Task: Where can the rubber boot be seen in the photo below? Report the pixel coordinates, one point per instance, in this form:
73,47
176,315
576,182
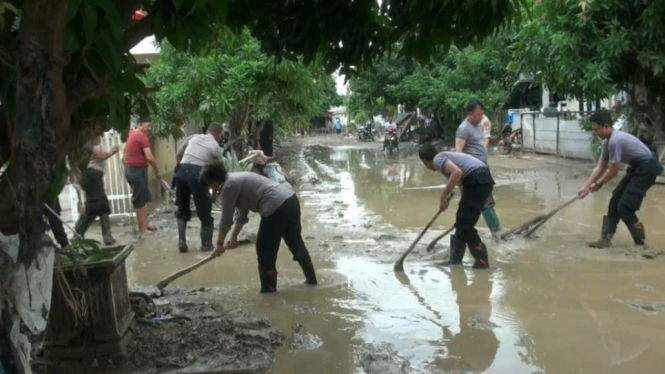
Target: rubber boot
491,219
308,270
81,227
206,238
182,236
106,230
268,280
457,249
638,234
606,234
481,256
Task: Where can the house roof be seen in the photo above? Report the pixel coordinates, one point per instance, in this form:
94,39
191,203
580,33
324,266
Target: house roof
147,51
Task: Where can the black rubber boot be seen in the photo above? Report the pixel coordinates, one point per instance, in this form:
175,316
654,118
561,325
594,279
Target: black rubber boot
106,230
268,280
457,249
81,227
638,234
182,236
206,238
606,234
481,256
308,269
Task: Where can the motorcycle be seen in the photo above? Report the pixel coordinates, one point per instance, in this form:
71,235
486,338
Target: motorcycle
391,141
365,133
510,139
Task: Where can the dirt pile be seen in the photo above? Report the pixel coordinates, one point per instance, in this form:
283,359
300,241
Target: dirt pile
188,336
382,358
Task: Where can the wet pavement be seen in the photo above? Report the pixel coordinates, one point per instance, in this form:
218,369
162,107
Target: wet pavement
549,304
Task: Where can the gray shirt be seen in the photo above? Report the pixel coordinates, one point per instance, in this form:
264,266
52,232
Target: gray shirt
245,191
96,163
200,149
475,139
623,147
466,163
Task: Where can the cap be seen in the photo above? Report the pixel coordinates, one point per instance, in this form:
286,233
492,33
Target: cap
143,119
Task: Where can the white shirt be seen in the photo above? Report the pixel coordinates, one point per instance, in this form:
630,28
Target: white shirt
389,125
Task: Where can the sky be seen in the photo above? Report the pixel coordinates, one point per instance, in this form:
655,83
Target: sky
341,88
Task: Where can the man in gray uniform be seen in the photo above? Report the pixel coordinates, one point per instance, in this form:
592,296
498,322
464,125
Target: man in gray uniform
196,152
470,139
474,179
621,147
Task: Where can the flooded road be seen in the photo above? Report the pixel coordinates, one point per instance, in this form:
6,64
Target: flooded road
548,305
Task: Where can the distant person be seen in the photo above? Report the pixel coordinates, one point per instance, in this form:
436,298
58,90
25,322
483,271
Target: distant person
390,124
279,209
137,157
196,152
338,127
476,184
96,201
487,131
621,147
428,120
471,139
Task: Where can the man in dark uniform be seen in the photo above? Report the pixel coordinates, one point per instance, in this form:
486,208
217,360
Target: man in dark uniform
476,183
196,152
621,147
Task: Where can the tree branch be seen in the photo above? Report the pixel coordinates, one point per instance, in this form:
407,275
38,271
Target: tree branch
87,89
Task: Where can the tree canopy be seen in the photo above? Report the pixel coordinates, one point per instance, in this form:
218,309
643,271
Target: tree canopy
67,74
443,85
235,81
593,49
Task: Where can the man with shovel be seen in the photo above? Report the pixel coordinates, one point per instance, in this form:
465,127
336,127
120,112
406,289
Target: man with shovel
621,147
196,152
475,182
471,139
279,209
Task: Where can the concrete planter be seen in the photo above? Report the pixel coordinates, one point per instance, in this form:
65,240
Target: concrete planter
102,328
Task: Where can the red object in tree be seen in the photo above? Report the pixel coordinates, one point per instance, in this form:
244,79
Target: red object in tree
139,15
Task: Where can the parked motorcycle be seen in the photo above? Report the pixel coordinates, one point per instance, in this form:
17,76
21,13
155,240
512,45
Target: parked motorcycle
366,133
510,140
391,140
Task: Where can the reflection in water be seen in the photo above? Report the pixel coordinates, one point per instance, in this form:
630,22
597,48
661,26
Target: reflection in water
475,345
554,305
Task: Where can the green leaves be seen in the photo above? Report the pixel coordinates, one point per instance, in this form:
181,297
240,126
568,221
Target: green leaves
231,75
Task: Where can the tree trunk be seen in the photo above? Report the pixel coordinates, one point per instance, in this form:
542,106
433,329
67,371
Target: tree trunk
41,113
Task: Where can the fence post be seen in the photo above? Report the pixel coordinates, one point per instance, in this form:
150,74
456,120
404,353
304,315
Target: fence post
558,119
533,127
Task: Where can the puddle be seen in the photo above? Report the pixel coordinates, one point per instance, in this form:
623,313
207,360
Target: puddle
549,304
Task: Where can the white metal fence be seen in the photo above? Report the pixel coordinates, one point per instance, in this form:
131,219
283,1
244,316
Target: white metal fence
559,134
117,189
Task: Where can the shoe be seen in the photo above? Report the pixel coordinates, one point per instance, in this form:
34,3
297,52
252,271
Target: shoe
206,238
481,256
268,280
182,236
606,234
106,230
457,249
308,270
638,234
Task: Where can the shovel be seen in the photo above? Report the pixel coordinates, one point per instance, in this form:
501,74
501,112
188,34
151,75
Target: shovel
399,265
165,282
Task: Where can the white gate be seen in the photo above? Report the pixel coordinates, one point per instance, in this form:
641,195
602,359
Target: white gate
117,189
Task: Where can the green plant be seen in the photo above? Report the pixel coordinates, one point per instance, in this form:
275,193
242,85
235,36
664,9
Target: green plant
86,251
232,162
595,144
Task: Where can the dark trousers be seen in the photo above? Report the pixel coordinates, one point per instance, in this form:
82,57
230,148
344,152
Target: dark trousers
283,223
96,201
55,223
628,195
187,184
477,186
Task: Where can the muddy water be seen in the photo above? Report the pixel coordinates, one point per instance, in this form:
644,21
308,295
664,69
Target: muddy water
548,305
